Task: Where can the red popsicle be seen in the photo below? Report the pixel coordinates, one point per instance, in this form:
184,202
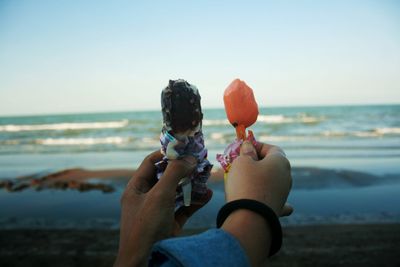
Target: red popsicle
240,106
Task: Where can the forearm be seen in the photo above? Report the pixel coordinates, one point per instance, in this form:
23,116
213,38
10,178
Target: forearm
132,258
120,262
134,247
253,233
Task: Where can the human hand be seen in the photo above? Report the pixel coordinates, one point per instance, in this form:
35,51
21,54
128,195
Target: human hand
147,208
261,173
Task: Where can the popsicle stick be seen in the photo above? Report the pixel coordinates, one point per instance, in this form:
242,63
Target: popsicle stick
186,190
241,132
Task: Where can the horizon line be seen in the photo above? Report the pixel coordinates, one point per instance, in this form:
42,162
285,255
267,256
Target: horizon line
204,108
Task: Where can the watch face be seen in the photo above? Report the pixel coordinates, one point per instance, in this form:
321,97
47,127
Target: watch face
181,108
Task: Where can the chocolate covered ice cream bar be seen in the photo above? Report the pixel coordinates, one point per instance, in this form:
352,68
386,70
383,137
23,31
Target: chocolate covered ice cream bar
182,135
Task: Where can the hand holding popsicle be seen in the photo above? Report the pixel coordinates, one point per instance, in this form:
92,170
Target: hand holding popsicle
242,112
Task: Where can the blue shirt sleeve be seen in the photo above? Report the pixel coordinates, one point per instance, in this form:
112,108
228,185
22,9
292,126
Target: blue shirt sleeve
214,247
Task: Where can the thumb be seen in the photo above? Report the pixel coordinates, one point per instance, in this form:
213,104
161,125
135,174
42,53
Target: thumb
248,149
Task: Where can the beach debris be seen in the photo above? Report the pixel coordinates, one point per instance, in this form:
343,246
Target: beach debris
7,184
73,179
182,135
242,112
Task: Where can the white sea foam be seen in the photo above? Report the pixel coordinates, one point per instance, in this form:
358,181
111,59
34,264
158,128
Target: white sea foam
365,134
217,136
215,122
371,133
278,119
280,138
261,118
378,132
63,126
147,143
274,119
308,119
387,130
270,119
349,133
333,133
81,141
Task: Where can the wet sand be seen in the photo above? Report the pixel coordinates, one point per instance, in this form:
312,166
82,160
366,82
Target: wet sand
328,245
106,180
79,179
319,245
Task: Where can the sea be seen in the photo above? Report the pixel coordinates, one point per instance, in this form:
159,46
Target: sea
345,159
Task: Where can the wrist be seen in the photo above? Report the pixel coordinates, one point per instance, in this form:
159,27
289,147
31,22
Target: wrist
133,257
252,232
249,222
130,262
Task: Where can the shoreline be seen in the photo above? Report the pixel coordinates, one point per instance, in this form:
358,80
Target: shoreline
303,177
318,245
319,196
78,178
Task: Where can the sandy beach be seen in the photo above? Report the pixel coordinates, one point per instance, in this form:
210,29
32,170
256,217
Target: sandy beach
327,245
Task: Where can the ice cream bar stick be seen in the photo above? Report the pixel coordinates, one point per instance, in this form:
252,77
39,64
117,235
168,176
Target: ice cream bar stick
187,191
241,132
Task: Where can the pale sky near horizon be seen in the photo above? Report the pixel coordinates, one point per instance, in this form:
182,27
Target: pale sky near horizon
87,56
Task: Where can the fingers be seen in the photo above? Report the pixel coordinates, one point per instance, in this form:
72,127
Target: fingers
260,151
175,171
184,213
248,149
266,149
286,210
145,176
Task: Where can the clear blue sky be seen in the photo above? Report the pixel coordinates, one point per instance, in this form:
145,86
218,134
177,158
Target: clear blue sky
74,56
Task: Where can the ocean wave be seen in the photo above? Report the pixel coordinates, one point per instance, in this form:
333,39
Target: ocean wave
326,135
217,136
271,119
215,122
311,137
116,140
351,133
279,138
128,142
274,119
336,133
63,126
388,130
278,119
146,143
377,132
10,142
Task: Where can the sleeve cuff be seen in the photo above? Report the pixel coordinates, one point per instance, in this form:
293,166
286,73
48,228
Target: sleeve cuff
214,247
